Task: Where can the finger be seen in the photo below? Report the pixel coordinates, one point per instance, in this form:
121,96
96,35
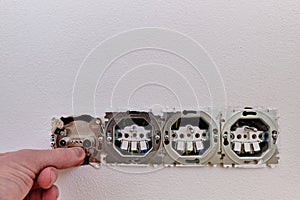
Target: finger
46,178
58,158
35,195
51,194
40,194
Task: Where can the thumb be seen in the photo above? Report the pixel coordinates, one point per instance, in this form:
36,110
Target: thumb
59,158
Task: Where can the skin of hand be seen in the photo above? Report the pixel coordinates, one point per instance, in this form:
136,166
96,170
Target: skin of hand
30,174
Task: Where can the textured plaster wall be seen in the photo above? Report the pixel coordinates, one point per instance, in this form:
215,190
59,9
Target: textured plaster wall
255,44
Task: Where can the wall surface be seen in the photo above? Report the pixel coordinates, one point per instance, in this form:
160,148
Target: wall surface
254,44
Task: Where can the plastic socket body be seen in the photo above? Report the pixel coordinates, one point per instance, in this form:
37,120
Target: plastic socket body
250,137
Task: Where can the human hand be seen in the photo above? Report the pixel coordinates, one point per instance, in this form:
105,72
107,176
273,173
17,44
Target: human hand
30,174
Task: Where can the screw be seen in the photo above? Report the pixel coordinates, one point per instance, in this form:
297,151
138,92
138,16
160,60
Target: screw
215,131
157,137
225,136
100,139
274,135
98,121
191,129
109,138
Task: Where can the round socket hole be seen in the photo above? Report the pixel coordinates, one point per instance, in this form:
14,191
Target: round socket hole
225,138
62,143
204,135
245,136
225,142
126,135
181,135
239,136
87,143
254,136
231,136
134,134
174,135
197,135
142,135
120,135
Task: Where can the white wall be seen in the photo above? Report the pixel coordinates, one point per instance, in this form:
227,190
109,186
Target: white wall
255,44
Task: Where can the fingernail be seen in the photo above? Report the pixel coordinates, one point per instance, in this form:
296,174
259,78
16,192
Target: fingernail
79,152
52,176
